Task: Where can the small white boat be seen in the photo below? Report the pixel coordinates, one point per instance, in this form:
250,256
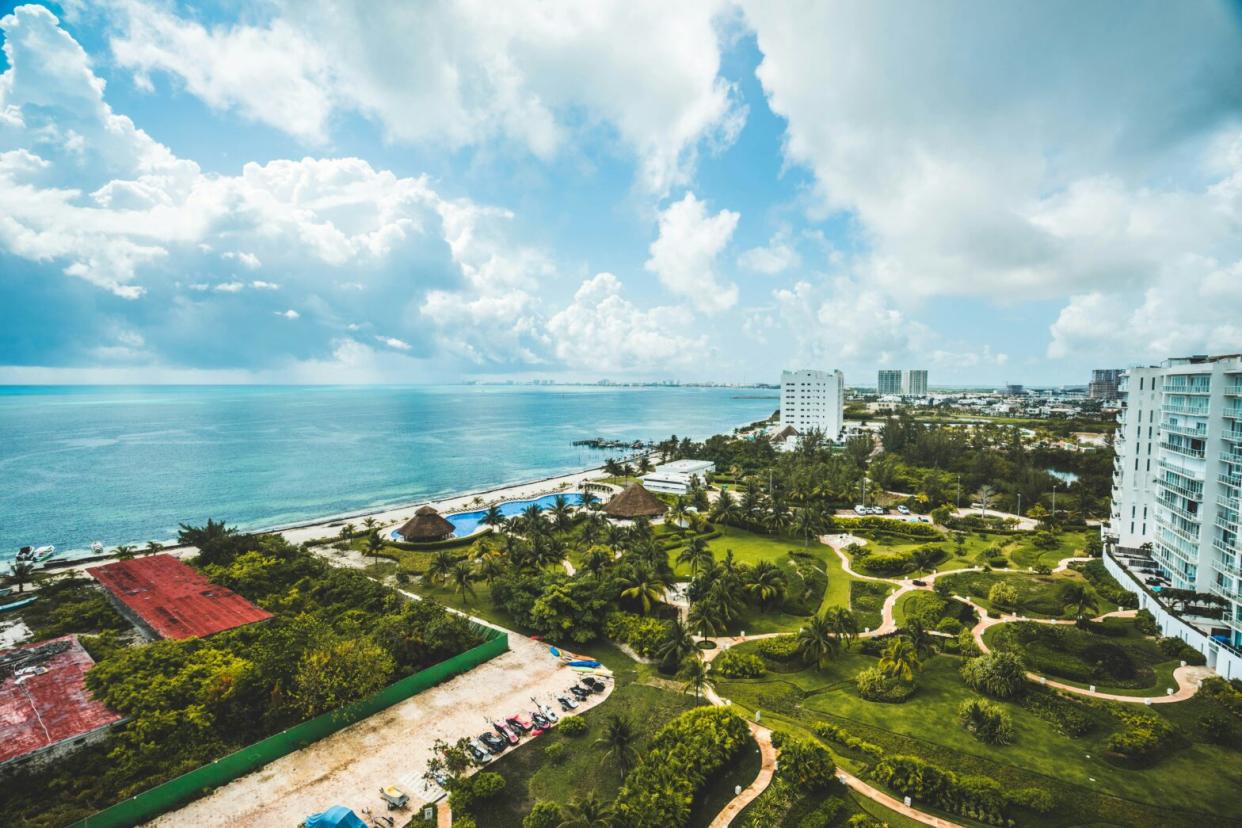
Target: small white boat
97,548
31,555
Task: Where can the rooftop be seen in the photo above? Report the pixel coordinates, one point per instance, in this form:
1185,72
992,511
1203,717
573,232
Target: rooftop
172,599
41,709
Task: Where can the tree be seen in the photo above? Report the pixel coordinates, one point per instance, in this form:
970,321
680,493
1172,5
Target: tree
369,525
597,560
984,496
463,579
588,812
900,659
765,583
919,637
124,552
807,765
347,531
816,643
22,574
695,673
1078,599
677,644
562,513
697,556
999,674
338,673
441,566
619,742
493,517
843,623
206,535
807,522
374,545
707,617
986,721
1003,596
645,589
153,547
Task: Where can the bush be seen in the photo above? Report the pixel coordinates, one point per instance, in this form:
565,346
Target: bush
1141,739
977,797
966,644
824,815
555,753
987,722
889,563
468,791
683,755
573,726
888,526
998,674
545,814
1174,647
1003,596
839,735
1066,713
952,626
732,664
644,633
782,648
1036,799
806,765
876,685
1106,586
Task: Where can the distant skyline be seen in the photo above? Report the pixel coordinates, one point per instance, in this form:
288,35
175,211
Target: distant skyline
350,192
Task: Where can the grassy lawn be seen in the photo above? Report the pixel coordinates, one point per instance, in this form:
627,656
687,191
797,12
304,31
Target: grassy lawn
1038,595
1187,787
867,601
1017,551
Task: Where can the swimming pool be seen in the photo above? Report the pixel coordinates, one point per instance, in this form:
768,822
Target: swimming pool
468,522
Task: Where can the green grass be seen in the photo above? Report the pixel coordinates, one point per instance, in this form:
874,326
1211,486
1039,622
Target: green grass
1017,550
719,791
1038,595
867,601
1189,787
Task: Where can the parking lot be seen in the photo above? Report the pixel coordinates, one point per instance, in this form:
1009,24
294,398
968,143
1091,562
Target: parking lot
390,748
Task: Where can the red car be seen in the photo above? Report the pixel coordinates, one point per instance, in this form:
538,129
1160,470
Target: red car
506,731
519,724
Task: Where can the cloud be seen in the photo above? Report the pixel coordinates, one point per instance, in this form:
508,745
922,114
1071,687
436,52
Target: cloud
393,342
248,260
230,287
684,254
602,331
774,258
259,284
288,314
460,74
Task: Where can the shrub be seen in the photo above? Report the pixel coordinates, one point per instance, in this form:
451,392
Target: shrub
1106,585
470,790
545,814
1044,540
1036,799
806,765
733,664
782,648
998,674
1174,647
573,726
1003,596
833,733
555,753
683,755
889,563
1145,623
1141,739
978,797
645,634
986,721
824,815
966,644
1066,713
876,685
949,625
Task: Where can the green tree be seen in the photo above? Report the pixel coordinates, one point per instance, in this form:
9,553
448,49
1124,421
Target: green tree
619,742
900,659
153,547
493,517
441,566
765,583
697,556
843,623
23,573
646,589
677,644
463,580
588,812
695,672
123,552
1078,599
339,673
374,545
816,642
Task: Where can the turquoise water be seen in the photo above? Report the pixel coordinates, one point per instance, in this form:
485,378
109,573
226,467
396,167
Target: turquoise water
467,522
125,465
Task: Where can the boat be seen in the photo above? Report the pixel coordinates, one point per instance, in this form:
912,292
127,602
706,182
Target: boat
33,555
97,548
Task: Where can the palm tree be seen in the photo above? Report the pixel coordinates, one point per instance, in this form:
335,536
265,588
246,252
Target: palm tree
597,559
707,617
1078,599
843,623
765,583
369,524
919,637
532,520
202,536
347,531
779,516
676,515
646,589
153,547
695,673
562,514
463,577
725,509
124,552
588,499
591,526
374,545
493,517
697,556
491,567
616,536
619,742
678,643
984,496
816,643
806,522
441,566
588,812
900,659
23,573
644,464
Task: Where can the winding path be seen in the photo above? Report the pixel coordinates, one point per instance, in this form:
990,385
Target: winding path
767,769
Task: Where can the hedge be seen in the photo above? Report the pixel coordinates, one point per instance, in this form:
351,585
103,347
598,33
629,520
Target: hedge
644,633
733,664
889,526
684,754
977,797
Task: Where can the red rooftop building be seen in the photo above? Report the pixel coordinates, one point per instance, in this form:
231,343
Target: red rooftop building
45,708
165,598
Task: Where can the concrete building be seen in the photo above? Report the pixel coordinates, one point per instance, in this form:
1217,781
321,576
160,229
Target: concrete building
1177,480
813,400
888,382
914,383
1104,383
676,477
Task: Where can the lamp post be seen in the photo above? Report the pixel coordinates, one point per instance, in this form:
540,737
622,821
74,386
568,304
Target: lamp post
959,491
1054,500
1019,504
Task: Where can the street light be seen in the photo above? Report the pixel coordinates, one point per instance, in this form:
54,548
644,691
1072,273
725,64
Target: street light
959,491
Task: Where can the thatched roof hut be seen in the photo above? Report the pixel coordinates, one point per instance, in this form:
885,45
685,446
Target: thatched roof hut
634,502
785,433
426,525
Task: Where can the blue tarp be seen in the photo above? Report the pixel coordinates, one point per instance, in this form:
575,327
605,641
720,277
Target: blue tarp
338,816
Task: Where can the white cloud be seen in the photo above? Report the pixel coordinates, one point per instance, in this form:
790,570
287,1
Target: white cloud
230,287
684,254
289,314
248,260
259,284
602,331
461,74
777,256
393,342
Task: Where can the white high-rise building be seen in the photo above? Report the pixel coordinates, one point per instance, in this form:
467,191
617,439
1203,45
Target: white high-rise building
914,383
888,382
1177,479
813,400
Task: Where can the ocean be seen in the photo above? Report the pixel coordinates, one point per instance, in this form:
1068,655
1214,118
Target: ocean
128,464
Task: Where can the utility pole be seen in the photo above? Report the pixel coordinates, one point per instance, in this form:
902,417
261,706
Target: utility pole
959,491
1054,500
1019,504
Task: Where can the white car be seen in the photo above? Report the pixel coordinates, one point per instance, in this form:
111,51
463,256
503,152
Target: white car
878,510
861,510
905,510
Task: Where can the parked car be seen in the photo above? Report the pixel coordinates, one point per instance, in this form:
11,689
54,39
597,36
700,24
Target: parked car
539,720
905,510
547,712
519,724
579,693
478,752
861,510
493,743
879,510
507,732
567,704
919,583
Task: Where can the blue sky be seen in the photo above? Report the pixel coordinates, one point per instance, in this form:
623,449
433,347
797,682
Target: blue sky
371,192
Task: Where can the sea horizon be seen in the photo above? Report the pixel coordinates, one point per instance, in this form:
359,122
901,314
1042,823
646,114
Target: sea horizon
124,464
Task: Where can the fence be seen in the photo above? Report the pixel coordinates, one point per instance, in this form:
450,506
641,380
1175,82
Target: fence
200,781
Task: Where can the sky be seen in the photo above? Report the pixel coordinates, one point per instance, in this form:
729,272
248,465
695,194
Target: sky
350,191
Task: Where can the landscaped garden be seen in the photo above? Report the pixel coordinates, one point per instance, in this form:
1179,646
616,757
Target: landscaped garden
1063,595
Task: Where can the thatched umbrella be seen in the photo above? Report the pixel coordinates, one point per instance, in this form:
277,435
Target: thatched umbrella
785,433
635,502
426,525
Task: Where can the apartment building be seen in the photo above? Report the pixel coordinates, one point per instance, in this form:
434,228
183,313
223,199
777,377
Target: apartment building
813,400
1177,480
888,382
914,383
1105,383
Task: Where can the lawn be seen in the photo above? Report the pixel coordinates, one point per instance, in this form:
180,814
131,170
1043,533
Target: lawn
1040,596
1188,787
1016,551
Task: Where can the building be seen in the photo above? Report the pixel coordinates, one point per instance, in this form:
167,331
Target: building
1177,480
813,401
427,525
165,598
888,382
1015,390
914,383
1104,383
45,708
677,476
634,502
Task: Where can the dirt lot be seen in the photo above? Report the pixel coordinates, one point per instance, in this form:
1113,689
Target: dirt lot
392,746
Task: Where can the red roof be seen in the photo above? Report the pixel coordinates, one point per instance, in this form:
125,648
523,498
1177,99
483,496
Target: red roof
173,599
45,708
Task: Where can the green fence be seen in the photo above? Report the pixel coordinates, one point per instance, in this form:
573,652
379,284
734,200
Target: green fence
200,781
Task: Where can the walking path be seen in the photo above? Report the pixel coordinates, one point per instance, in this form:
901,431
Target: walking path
892,803
767,769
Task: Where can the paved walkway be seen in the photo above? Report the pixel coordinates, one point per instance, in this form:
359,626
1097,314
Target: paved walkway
767,769
892,803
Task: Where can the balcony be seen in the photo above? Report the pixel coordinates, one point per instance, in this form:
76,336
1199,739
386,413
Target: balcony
1190,474
1184,409
1229,480
1233,387
1200,384
1173,507
1192,492
1185,451
1233,409
1191,537
1197,430
1232,570
1224,547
